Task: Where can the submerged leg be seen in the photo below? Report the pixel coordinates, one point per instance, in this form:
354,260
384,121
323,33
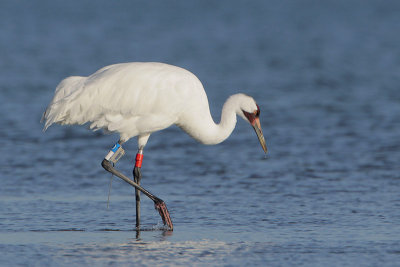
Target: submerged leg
137,176
159,204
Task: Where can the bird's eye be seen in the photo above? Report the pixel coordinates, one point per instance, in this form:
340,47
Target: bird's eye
257,112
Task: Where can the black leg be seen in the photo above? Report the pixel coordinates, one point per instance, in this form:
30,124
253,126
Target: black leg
112,157
137,175
159,204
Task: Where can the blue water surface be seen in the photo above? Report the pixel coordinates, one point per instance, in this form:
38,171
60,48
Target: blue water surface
326,76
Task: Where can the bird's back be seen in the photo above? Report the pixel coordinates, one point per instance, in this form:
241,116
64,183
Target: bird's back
129,98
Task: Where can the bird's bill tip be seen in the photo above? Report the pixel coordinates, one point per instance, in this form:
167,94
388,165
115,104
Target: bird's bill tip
258,130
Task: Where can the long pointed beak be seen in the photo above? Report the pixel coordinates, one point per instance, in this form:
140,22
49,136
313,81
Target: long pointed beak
257,127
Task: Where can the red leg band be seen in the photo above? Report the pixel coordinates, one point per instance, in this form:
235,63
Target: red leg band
139,159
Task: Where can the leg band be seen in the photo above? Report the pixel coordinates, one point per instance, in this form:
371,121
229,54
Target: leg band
139,159
115,153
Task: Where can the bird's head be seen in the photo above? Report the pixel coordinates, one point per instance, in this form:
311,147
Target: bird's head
250,112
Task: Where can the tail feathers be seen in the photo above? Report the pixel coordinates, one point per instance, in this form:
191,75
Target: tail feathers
64,95
44,120
49,117
53,114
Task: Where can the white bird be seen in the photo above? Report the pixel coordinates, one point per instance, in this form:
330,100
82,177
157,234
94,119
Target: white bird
137,99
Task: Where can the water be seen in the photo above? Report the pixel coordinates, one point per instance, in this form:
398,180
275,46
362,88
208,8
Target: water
326,77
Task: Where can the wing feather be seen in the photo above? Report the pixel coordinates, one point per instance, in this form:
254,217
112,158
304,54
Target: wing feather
128,98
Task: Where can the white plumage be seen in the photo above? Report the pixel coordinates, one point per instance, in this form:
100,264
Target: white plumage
136,99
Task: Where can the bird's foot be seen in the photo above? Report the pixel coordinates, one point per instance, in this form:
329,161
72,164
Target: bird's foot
158,203
163,211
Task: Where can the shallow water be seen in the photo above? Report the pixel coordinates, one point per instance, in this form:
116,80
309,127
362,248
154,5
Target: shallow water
326,77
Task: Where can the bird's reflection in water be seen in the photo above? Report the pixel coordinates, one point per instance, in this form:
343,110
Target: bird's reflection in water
160,235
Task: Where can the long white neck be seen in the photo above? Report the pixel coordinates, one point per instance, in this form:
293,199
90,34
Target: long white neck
206,131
